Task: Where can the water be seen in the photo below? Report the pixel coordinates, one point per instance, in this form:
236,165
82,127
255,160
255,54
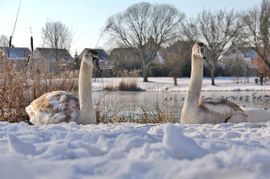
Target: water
133,105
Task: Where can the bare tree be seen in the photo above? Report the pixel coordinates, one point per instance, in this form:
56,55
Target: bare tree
145,28
56,35
3,41
178,57
217,29
256,33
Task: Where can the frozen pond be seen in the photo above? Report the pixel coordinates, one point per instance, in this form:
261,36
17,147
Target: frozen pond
130,104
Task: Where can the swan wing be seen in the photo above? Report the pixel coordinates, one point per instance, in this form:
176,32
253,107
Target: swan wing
54,107
220,102
219,109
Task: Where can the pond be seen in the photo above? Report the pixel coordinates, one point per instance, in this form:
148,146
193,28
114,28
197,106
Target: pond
133,105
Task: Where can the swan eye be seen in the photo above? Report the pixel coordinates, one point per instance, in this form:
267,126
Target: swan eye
202,50
95,60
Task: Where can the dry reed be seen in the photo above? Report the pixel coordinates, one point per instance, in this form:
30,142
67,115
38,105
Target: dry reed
125,84
19,87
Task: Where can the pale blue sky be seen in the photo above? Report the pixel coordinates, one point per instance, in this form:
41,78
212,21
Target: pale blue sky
87,18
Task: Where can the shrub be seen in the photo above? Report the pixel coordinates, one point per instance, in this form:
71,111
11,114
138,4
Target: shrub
130,84
125,84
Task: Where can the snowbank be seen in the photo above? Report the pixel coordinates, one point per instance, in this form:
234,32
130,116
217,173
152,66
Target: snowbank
135,151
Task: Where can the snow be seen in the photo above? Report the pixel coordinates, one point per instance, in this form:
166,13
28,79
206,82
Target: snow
184,148
166,84
18,146
127,150
257,114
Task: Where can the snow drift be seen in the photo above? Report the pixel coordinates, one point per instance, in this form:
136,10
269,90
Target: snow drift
135,151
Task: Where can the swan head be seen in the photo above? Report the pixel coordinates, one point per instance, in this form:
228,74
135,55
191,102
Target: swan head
91,58
198,50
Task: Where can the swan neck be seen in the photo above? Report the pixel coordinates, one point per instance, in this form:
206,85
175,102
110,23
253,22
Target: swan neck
195,84
87,113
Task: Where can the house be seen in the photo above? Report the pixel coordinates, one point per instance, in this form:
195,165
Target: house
54,60
104,60
17,55
234,53
239,61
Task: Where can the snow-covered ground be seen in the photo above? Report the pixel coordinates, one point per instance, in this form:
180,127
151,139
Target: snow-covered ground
126,150
135,151
166,84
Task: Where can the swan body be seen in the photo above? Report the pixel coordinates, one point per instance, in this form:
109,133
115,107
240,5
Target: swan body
61,106
206,110
54,107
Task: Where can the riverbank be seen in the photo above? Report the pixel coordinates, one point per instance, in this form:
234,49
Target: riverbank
166,84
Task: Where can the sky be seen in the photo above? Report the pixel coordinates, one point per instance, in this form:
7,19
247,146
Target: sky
87,18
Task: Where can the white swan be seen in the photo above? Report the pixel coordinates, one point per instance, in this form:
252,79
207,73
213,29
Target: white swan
206,110
61,106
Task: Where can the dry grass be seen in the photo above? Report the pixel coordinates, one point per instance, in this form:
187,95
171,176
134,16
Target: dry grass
144,117
110,111
162,111
125,84
19,88
129,85
109,87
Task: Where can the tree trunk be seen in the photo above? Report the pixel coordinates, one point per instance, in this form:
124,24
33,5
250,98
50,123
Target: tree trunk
174,78
145,75
213,70
175,81
145,72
